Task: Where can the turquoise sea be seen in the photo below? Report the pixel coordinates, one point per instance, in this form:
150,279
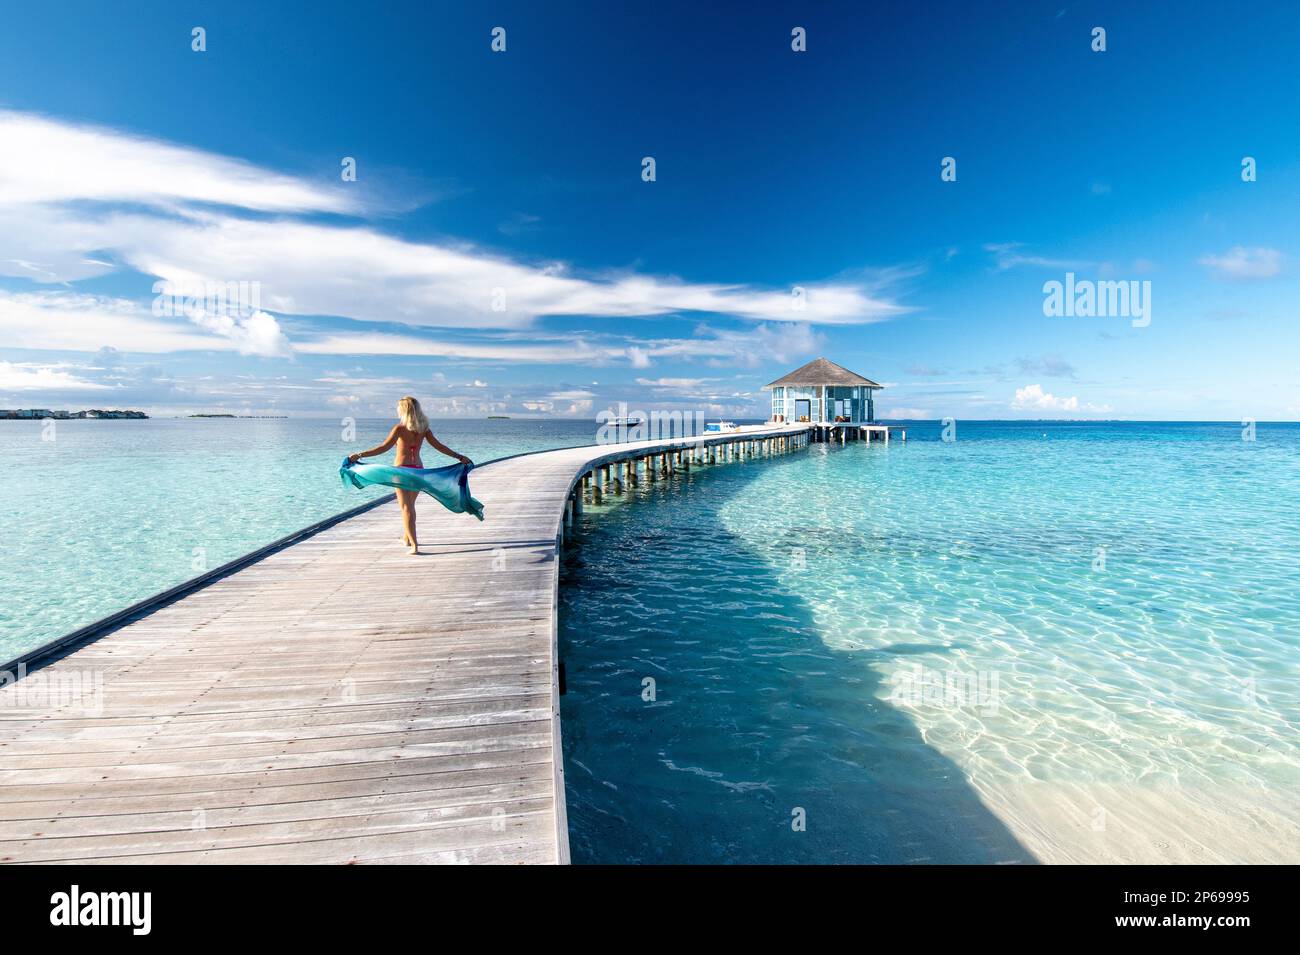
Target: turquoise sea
99,514
1039,642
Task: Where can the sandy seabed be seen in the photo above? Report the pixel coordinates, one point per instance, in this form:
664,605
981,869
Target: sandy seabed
1162,824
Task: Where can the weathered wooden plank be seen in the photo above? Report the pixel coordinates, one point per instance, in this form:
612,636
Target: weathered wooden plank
92,804
335,700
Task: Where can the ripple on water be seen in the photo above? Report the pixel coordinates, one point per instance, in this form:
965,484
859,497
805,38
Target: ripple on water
1111,611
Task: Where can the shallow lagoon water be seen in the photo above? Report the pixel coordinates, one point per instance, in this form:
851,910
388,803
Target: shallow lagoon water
1040,642
911,654
110,512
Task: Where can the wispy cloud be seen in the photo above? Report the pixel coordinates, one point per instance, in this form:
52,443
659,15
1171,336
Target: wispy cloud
71,207
746,348
518,223
1053,366
1243,264
24,377
380,343
69,321
54,161
701,388
1008,255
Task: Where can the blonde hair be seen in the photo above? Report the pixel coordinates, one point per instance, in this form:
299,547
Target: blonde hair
411,415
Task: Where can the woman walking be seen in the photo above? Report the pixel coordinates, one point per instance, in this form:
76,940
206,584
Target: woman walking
410,432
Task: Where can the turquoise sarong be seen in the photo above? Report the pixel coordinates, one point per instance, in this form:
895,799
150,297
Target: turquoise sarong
449,486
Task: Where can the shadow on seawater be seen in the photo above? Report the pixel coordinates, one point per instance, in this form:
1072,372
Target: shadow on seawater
753,718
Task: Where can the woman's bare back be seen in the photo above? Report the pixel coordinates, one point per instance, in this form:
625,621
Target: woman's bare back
406,442
408,448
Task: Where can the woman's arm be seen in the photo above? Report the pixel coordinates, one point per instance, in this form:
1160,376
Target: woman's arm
439,446
379,449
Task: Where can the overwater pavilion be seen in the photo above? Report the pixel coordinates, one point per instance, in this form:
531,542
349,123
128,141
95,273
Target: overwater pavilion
829,397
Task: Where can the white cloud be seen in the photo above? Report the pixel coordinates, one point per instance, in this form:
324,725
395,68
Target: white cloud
747,348
15,377
67,321
256,334
717,347
48,233
574,395
380,343
1241,263
53,161
356,272
1034,398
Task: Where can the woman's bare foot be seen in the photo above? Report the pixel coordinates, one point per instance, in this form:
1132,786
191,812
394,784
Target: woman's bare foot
415,549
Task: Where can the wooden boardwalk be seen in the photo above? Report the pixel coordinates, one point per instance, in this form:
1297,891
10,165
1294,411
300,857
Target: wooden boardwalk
334,701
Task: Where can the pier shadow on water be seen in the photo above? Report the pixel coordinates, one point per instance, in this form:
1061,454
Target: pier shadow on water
705,716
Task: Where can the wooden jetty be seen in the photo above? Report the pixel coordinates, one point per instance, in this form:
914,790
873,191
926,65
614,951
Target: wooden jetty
844,432
331,699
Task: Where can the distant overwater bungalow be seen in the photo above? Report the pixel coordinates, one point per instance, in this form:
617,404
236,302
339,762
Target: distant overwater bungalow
838,403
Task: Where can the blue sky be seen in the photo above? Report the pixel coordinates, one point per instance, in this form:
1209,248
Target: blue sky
516,177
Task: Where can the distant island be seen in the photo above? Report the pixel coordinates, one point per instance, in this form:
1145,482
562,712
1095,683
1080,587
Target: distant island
498,417
42,413
227,415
